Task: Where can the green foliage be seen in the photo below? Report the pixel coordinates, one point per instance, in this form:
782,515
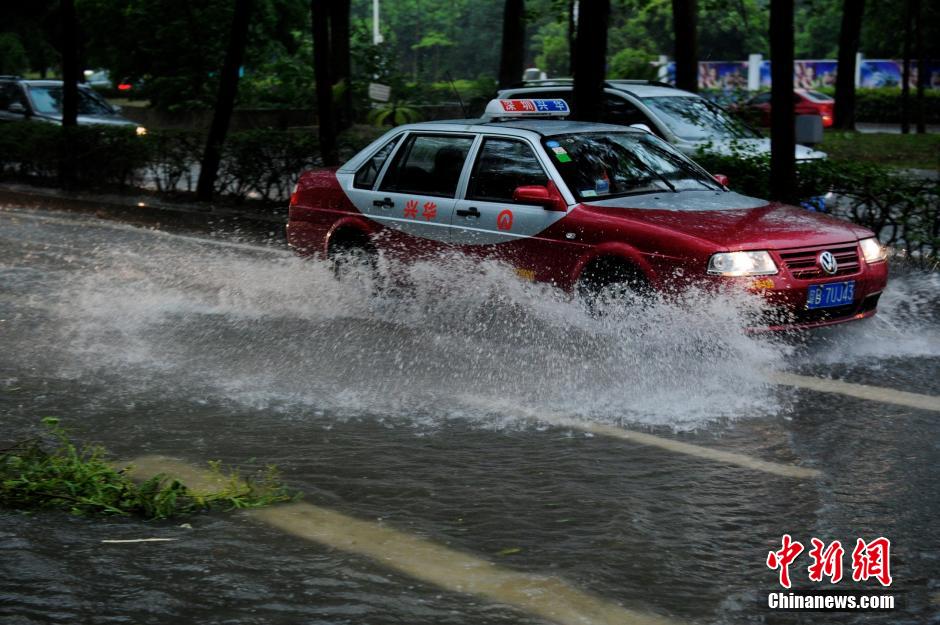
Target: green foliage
551,44
902,209
260,164
264,164
13,59
630,63
103,155
59,475
393,114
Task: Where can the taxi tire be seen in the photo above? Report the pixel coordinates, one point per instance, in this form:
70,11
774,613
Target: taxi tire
353,258
605,281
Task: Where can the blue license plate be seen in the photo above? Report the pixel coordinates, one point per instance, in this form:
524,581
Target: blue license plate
829,295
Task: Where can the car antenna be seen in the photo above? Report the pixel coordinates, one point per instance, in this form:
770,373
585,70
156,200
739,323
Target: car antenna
463,109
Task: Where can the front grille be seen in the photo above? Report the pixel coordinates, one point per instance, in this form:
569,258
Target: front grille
803,265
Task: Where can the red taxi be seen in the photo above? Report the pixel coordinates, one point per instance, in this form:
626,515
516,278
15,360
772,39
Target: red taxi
582,206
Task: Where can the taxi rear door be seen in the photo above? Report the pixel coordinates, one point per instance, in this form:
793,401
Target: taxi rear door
416,194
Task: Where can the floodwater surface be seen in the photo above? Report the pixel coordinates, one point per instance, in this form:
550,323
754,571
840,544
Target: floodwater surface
454,403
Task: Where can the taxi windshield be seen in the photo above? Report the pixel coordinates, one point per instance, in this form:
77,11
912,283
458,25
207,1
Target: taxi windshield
696,119
601,165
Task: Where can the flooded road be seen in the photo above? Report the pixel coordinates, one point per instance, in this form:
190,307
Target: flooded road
488,415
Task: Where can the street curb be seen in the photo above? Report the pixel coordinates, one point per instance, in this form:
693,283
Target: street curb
148,211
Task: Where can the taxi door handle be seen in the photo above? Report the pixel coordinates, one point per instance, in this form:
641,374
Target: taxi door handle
386,203
470,212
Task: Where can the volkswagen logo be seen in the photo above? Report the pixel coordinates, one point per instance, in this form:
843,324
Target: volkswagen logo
828,262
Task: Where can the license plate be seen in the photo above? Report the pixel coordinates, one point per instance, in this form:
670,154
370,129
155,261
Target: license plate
829,295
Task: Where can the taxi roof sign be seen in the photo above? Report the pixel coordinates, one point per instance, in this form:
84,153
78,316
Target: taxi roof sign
527,108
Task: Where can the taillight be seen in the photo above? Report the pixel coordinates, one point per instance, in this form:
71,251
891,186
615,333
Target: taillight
293,194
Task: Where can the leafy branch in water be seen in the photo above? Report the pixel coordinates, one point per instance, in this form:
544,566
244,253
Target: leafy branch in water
63,476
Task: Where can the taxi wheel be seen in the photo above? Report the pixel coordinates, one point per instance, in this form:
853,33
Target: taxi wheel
353,260
610,282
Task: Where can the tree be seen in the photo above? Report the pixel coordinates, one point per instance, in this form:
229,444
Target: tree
910,7
512,55
326,123
225,103
849,36
685,27
70,66
590,59
782,128
340,61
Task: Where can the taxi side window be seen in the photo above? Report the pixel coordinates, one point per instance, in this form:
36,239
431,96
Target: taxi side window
367,174
428,165
502,165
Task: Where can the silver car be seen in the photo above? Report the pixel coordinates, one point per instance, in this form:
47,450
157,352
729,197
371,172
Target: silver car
41,100
686,120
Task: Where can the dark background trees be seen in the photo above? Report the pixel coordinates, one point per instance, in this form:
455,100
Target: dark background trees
685,29
849,35
590,59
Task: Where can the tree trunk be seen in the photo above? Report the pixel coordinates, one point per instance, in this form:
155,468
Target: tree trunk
685,29
849,36
782,126
320,18
340,60
590,59
906,71
225,101
572,31
921,110
512,56
70,64
70,72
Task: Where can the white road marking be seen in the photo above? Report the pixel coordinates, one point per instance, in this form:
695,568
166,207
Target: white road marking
545,596
706,453
139,540
651,440
861,391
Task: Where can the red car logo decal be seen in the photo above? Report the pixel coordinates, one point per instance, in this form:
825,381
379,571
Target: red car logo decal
504,220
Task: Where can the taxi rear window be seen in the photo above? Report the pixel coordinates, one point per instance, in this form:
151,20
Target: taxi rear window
365,177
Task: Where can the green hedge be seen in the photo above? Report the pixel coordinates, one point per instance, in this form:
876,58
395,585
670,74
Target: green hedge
256,164
902,209
883,105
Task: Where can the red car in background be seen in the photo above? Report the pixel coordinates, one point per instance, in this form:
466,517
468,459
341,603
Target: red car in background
805,102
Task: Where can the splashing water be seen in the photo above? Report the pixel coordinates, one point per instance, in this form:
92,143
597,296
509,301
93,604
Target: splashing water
159,314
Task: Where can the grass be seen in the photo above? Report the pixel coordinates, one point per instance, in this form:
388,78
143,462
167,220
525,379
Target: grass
905,151
50,472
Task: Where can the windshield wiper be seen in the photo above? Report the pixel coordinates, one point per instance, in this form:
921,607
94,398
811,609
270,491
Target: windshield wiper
686,167
638,161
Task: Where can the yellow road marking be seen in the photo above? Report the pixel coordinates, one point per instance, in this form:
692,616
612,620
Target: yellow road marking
544,596
861,391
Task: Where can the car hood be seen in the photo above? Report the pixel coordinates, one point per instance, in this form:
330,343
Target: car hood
731,220
732,147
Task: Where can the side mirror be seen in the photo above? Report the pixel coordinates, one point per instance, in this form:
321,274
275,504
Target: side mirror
642,127
547,197
721,179
17,108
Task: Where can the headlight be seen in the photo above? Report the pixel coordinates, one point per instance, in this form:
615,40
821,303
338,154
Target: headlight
141,131
873,250
742,264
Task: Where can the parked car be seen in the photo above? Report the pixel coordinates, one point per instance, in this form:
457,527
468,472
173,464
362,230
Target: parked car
41,101
684,119
584,207
805,102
